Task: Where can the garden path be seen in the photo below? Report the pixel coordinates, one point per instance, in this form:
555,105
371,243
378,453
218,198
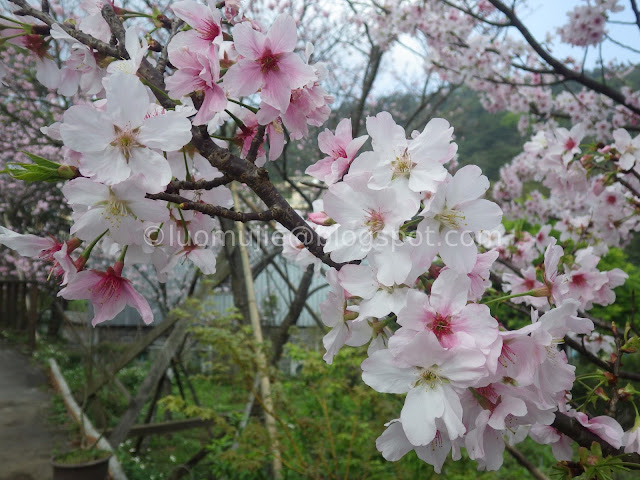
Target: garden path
27,438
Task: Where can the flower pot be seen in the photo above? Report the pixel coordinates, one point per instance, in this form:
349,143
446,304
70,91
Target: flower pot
93,470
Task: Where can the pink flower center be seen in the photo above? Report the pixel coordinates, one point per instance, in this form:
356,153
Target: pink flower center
339,153
36,44
47,255
441,327
210,31
570,144
269,62
579,280
507,354
437,440
109,287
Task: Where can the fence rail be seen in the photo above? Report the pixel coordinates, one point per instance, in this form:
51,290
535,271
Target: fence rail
19,306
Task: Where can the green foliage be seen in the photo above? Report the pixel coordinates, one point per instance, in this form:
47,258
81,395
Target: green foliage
41,170
82,455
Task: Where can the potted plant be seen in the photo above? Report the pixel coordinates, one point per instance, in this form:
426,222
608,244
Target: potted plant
81,464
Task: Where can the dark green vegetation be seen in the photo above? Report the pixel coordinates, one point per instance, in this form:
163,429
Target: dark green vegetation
488,140
78,456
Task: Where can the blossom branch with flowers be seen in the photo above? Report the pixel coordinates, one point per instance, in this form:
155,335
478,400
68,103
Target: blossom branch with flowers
415,253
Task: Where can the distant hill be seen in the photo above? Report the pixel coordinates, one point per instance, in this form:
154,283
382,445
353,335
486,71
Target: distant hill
488,140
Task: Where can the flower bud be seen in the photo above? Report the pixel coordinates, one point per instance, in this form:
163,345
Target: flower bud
349,315
68,171
543,291
321,218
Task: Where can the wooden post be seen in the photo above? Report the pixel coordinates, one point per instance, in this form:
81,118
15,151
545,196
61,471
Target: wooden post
261,359
174,342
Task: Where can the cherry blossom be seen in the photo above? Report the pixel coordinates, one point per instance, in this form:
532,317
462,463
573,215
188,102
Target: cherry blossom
428,374
340,148
120,141
454,213
109,292
268,63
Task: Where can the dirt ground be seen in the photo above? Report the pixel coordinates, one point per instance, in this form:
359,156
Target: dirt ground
27,439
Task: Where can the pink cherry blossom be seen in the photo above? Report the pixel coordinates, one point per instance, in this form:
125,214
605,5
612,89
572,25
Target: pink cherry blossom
407,166
204,21
369,216
428,374
268,63
629,148
603,426
454,213
446,313
121,209
109,292
340,148
198,71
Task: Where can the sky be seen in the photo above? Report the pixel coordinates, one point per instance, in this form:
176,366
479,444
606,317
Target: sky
547,15
541,17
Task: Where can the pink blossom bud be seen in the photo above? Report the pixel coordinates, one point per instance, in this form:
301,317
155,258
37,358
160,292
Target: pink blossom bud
321,218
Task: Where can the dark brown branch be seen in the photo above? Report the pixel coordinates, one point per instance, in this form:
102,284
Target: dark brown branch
115,25
636,12
258,180
176,186
216,211
628,186
255,144
213,210
583,437
84,38
524,461
599,362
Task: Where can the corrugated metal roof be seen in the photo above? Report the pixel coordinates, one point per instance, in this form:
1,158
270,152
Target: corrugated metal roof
271,289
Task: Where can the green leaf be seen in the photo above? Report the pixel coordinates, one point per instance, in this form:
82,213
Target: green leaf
28,172
43,162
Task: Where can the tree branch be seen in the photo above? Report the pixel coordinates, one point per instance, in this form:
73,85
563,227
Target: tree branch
583,437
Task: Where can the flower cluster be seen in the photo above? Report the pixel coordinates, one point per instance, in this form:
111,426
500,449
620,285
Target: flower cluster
587,23
417,254
413,296
124,150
